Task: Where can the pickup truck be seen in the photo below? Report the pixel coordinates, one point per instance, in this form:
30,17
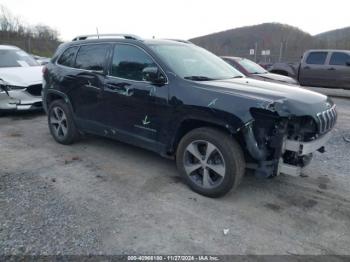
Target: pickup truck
324,68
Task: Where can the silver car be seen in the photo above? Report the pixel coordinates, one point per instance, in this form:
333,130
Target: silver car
20,80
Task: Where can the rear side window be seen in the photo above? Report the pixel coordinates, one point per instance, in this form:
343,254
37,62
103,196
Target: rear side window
91,57
316,58
339,58
129,61
68,56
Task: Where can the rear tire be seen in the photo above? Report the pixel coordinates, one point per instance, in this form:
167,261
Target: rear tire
61,123
210,161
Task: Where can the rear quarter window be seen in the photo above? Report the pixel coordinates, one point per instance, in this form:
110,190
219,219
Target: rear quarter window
316,58
68,56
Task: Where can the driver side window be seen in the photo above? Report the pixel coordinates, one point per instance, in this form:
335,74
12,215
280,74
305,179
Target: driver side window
129,61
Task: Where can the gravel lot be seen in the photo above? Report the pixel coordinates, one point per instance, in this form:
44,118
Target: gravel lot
104,197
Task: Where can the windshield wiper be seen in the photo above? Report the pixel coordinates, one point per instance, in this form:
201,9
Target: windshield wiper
259,73
198,78
237,77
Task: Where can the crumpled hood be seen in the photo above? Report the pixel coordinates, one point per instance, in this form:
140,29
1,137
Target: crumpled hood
22,76
290,99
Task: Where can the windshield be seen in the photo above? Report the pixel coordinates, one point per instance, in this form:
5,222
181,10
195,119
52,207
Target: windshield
194,63
251,67
16,58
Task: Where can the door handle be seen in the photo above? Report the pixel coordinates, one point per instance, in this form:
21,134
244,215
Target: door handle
331,69
89,85
122,90
306,67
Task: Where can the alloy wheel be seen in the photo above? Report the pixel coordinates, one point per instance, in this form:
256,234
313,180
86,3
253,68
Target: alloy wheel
204,164
58,121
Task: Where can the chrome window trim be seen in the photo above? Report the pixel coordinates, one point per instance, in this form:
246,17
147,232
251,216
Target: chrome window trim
78,45
108,75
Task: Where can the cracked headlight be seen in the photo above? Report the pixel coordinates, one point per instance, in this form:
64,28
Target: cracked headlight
5,86
10,87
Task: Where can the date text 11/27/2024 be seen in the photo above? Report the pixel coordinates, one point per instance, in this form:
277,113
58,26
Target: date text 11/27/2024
173,258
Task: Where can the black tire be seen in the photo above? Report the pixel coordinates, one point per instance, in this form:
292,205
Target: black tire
226,148
72,133
306,160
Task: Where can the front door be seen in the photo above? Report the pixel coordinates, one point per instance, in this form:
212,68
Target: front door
339,69
135,110
313,70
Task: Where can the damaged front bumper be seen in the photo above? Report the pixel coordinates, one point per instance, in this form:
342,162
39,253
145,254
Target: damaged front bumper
305,148
19,100
301,149
284,148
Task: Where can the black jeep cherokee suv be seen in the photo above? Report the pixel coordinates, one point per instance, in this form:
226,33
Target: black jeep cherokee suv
181,101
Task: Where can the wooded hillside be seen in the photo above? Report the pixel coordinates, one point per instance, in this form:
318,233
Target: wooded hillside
40,39
285,42
339,38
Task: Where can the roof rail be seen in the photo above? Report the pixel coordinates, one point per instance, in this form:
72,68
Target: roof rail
126,36
181,41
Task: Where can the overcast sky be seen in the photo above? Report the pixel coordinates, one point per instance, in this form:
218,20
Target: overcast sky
178,18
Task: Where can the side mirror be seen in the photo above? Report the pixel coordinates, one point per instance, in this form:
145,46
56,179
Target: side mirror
153,75
347,63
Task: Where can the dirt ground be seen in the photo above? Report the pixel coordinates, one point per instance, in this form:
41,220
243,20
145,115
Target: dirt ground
104,197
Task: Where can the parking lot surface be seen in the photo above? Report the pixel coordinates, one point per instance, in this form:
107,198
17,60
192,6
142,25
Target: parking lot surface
104,197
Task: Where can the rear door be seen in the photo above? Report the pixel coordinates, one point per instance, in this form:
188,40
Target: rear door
89,76
339,69
313,70
65,76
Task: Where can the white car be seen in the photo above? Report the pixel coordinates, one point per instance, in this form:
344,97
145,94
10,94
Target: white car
20,80
41,60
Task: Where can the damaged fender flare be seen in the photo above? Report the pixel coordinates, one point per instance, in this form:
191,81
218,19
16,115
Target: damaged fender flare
181,128
56,93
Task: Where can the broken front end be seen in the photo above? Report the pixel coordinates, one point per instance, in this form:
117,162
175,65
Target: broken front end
285,144
20,98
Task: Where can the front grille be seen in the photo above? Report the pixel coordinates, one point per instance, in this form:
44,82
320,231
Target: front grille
35,90
327,120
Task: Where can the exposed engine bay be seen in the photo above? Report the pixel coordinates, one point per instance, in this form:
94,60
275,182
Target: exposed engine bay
286,144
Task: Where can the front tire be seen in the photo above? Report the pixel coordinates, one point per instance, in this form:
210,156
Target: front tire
210,161
61,124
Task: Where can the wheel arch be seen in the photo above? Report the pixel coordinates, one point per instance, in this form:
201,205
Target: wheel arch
189,124
53,95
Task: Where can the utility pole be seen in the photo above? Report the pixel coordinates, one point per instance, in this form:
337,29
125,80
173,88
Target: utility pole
256,51
29,45
281,52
